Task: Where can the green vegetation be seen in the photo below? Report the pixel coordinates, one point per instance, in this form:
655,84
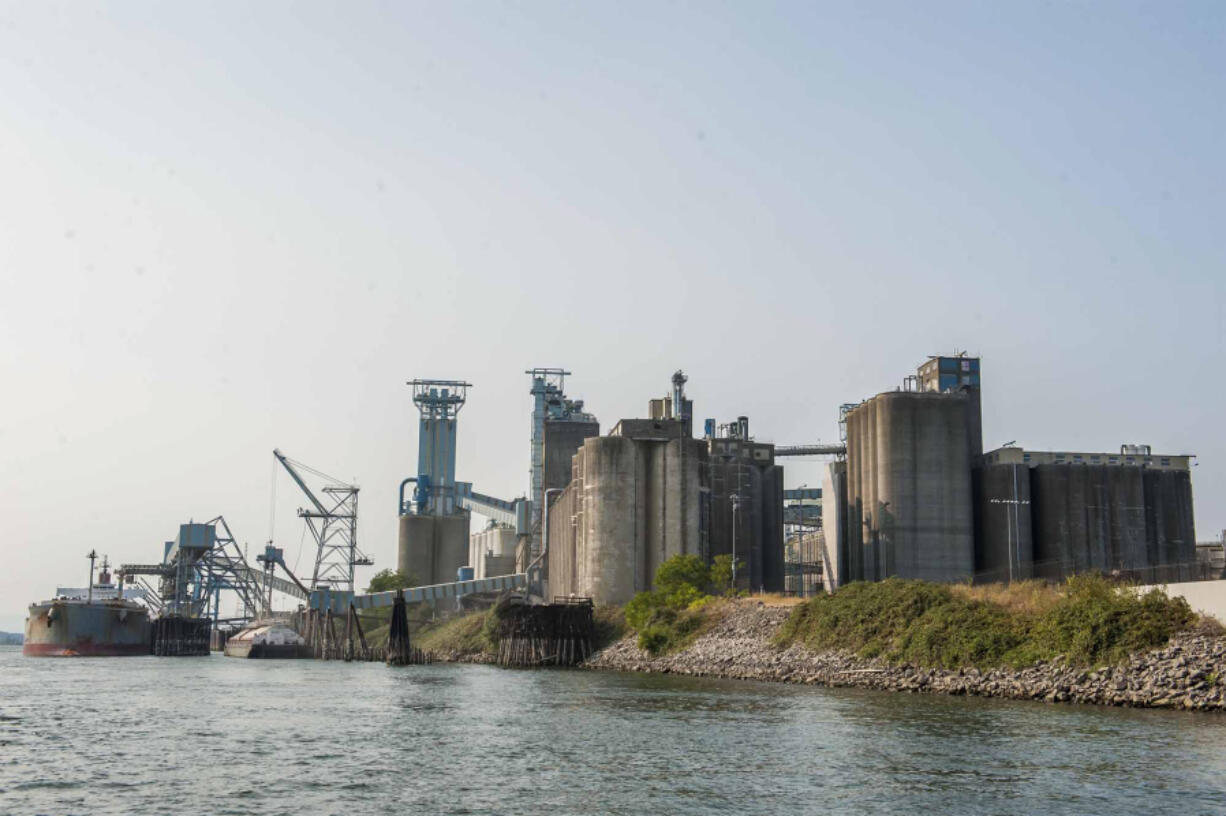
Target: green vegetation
1089,621
672,615
609,625
721,574
473,633
389,579
376,621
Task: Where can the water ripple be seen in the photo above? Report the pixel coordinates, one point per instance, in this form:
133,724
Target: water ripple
221,736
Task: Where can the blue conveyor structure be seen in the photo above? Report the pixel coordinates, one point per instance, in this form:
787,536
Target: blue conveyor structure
338,601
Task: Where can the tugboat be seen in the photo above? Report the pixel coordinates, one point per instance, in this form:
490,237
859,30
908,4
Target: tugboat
97,621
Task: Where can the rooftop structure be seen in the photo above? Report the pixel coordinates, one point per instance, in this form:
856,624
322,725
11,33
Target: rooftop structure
1129,455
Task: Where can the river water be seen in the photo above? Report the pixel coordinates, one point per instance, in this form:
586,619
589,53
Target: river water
223,736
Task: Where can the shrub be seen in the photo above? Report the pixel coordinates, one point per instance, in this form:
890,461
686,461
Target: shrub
721,574
671,615
1089,621
684,574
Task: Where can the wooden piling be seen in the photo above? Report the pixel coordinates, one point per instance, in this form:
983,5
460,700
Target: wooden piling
557,634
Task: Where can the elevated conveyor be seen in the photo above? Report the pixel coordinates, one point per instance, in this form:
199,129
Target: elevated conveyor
338,600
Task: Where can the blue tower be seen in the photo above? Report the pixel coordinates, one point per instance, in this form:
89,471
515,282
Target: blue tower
439,403
434,526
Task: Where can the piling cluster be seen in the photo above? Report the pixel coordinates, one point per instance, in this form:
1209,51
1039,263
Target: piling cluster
557,634
177,636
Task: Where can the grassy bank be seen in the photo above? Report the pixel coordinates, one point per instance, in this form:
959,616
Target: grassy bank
471,635
474,635
1089,621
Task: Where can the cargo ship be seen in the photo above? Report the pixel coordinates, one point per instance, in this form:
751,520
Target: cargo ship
97,621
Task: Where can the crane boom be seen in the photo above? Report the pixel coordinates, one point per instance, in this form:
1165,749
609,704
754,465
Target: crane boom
298,481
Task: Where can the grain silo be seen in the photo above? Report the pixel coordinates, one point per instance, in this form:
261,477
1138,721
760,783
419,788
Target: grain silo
1126,513
909,487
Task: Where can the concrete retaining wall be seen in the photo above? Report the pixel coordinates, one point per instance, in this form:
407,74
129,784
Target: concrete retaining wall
1206,597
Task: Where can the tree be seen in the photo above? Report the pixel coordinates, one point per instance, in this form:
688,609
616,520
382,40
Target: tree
721,573
389,579
683,573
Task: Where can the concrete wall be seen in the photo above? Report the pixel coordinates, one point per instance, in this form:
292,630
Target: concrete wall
631,505
759,520
909,488
562,441
433,548
834,526
1004,545
1170,530
1108,518
1206,597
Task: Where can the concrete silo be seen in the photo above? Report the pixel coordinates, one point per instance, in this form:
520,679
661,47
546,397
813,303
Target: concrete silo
909,487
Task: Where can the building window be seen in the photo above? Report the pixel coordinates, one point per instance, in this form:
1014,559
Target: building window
1025,457
1166,462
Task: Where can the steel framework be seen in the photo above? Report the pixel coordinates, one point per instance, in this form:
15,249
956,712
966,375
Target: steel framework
333,522
201,563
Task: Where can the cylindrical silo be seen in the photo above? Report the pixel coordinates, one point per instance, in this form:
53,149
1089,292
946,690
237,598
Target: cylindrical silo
611,550
936,511
853,526
415,551
909,483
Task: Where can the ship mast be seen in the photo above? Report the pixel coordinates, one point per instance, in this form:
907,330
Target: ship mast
93,554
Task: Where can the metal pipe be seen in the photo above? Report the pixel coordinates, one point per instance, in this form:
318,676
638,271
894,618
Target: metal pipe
544,539
400,508
736,503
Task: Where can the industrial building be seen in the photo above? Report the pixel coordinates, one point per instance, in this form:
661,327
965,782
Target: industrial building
1049,514
912,495
917,498
649,491
635,500
559,426
909,509
491,551
434,527
746,505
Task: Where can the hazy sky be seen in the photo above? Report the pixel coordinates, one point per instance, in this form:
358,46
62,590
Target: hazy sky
226,227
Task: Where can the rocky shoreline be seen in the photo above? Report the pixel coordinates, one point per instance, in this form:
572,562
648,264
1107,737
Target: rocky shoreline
1189,673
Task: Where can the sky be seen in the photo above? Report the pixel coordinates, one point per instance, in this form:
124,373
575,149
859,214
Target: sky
228,227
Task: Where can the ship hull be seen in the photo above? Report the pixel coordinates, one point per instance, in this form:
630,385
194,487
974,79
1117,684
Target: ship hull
80,629
268,651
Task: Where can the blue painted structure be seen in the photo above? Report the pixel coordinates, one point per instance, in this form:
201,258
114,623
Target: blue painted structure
438,403
338,600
